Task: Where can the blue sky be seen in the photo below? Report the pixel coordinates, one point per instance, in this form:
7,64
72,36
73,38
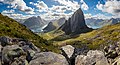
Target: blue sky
52,9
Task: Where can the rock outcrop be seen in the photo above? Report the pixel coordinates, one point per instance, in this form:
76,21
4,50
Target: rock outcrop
16,51
76,24
69,50
48,58
93,58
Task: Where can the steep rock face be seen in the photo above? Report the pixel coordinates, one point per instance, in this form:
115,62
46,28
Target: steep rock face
35,23
49,27
75,24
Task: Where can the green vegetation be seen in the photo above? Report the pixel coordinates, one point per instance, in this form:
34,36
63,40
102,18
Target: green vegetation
52,34
95,39
11,28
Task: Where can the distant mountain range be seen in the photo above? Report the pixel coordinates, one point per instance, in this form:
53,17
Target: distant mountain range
35,23
97,23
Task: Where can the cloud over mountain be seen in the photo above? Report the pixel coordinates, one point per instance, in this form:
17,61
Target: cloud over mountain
110,6
55,9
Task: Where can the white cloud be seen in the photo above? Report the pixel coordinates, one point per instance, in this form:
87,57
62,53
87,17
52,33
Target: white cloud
65,8
18,4
40,5
73,5
17,16
14,15
97,16
110,6
101,16
88,15
84,5
8,11
55,11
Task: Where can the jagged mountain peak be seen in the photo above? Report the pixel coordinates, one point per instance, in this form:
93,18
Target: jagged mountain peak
75,24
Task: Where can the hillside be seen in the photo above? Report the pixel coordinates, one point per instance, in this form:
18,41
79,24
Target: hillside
11,28
95,39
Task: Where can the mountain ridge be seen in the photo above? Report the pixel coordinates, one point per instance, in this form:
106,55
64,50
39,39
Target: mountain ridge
75,24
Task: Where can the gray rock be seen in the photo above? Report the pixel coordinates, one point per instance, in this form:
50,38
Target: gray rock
28,45
5,41
11,52
93,58
112,51
13,49
68,49
117,61
76,24
0,53
20,61
48,58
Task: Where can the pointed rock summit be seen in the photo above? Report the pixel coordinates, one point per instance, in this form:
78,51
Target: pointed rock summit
49,27
75,24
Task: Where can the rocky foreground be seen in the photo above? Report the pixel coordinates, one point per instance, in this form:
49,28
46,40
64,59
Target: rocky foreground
15,51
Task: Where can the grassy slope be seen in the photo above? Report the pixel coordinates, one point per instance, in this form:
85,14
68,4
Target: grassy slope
94,40
11,28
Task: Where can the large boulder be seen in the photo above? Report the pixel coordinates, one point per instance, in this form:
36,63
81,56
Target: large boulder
9,53
76,24
68,50
93,58
16,51
48,58
5,41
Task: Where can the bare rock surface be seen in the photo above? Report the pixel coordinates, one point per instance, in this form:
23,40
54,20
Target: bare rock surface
48,58
92,58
